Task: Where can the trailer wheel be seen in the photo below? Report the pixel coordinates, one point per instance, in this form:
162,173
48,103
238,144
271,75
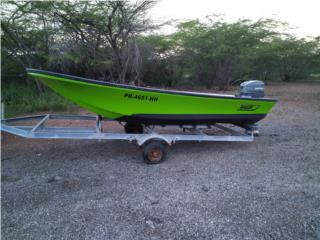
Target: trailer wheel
154,152
133,128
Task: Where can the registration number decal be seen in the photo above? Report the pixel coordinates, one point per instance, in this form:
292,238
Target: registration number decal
140,97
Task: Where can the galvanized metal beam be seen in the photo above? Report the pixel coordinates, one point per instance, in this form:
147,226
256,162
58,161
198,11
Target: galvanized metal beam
39,131
40,124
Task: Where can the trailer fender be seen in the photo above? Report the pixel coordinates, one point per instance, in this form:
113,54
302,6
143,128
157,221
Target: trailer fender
154,137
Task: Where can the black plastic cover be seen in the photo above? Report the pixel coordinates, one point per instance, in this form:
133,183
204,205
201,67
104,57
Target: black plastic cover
252,88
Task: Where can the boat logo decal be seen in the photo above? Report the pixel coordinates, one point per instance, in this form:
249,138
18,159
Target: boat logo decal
248,107
140,97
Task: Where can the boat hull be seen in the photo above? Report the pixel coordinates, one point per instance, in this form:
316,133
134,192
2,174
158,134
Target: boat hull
154,106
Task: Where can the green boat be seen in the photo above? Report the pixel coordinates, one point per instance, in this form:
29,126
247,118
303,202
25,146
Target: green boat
151,106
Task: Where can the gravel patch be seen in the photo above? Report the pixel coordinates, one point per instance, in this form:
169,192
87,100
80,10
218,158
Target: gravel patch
268,189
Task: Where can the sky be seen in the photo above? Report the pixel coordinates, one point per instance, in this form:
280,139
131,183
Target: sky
302,15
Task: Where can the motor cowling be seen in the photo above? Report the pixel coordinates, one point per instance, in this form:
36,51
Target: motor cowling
252,88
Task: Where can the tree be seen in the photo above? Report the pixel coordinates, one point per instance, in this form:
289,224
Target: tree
27,39
221,52
83,32
294,57
160,63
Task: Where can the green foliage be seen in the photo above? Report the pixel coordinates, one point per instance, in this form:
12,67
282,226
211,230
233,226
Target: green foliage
219,53
76,37
160,63
21,99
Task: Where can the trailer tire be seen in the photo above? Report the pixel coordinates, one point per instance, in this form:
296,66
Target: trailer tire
154,151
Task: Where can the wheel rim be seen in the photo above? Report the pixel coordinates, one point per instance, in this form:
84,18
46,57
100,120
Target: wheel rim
155,155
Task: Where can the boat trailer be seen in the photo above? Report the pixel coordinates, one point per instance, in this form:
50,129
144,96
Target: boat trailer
153,142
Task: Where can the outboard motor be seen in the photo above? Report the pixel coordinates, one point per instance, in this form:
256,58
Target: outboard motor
252,88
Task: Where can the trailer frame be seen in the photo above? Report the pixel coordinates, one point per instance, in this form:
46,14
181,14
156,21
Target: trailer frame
149,140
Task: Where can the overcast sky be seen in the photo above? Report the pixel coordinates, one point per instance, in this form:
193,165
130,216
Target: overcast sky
303,15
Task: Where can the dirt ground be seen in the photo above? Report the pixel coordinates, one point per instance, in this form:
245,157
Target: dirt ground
268,189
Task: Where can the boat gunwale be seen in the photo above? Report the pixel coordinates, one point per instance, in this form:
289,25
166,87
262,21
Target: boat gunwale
157,90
